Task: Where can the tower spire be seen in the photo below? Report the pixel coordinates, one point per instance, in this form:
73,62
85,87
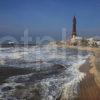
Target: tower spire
74,33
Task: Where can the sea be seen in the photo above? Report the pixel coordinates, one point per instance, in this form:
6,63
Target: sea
54,72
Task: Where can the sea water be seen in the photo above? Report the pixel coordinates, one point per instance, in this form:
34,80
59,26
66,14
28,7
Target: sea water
54,72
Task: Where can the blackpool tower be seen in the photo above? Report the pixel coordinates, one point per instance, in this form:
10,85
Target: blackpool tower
74,33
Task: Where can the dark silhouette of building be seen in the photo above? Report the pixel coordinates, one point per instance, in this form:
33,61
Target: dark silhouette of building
74,32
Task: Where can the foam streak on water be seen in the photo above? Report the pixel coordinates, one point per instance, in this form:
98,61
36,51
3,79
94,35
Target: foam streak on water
55,71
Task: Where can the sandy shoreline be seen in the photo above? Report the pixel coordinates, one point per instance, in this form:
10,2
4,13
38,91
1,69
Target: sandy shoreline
94,61
89,89
90,85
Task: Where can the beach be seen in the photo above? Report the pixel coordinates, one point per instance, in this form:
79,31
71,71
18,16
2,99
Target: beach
89,87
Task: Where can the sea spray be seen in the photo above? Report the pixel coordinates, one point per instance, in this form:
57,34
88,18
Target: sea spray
57,74
70,90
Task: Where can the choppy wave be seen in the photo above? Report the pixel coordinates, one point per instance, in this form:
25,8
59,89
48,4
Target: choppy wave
55,72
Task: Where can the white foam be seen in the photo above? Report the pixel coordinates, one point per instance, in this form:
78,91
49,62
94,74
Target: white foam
66,82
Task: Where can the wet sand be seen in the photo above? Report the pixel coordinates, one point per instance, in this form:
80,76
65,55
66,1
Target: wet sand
88,87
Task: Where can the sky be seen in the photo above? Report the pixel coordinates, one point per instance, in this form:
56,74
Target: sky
49,17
